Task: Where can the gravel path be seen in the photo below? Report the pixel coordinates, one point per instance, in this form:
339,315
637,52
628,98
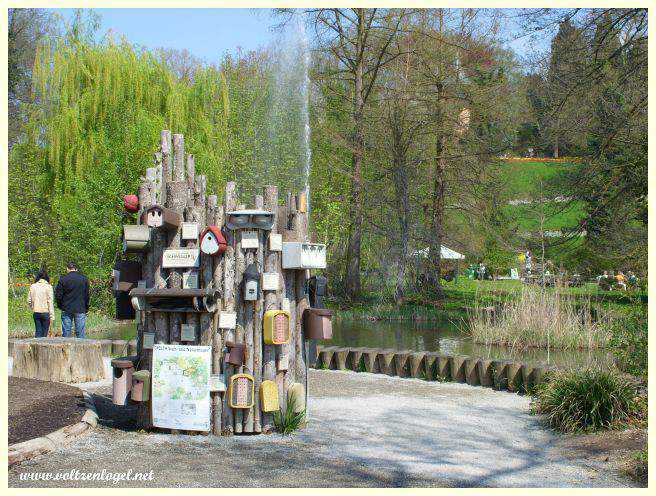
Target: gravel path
365,431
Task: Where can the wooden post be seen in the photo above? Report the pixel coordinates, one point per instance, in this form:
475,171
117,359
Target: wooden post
271,264
240,267
229,299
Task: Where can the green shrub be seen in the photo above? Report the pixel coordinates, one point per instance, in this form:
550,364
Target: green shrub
288,422
586,400
629,342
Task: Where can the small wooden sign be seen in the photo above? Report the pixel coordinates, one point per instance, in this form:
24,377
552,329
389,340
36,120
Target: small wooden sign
181,257
227,320
190,279
187,332
249,240
217,383
190,230
275,242
148,340
270,281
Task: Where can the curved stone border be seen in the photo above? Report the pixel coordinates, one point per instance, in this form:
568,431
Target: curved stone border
29,449
430,366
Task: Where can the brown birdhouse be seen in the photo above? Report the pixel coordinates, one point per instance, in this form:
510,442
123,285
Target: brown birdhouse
212,241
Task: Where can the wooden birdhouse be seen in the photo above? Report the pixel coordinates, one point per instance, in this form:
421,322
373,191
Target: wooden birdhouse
158,216
212,241
242,391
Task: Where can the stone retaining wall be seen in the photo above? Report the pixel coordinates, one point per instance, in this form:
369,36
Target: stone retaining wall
430,366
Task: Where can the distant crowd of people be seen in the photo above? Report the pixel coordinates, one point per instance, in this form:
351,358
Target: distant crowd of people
71,297
610,280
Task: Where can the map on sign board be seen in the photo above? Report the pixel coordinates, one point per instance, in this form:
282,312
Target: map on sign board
181,392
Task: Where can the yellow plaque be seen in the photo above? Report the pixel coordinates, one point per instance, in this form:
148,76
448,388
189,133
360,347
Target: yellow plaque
242,390
276,327
269,396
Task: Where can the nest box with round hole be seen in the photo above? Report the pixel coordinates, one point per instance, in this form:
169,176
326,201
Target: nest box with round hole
140,386
236,353
131,203
269,396
241,391
212,241
276,327
250,219
158,216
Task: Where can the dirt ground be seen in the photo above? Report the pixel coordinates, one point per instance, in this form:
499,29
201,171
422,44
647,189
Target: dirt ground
364,430
37,408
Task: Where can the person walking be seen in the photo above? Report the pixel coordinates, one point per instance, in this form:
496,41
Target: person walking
72,295
41,301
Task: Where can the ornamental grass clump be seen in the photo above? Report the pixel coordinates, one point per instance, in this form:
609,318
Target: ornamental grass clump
586,401
288,421
541,318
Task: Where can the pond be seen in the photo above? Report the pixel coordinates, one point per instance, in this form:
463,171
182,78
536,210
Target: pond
445,336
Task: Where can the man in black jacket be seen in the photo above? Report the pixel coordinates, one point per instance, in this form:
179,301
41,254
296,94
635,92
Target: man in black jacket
72,296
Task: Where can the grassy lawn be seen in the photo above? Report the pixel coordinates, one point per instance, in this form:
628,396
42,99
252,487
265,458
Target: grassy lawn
523,178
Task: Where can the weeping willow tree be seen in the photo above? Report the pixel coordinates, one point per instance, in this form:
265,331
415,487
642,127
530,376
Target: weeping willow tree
94,123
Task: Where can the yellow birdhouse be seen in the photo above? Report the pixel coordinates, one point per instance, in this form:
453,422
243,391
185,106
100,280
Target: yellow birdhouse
276,327
242,390
269,396
296,397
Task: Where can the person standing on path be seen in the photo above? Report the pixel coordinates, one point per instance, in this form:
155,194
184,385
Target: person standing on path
41,301
72,296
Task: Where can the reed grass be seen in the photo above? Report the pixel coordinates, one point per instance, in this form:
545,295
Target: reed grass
540,318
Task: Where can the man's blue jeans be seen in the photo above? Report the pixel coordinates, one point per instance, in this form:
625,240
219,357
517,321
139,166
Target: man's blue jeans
67,324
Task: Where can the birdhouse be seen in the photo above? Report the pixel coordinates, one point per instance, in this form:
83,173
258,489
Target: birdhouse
158,216
276,327
297,255
212,241
317,323
131,203
296,397
317,286
136,238
251,283
250,219
269,396
122,381
141,386
129,274
242,391
235,354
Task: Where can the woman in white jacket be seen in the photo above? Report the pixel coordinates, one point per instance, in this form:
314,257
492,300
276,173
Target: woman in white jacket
41,301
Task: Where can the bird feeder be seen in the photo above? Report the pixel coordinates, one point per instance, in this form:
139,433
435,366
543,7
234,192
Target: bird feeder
141,386
131,203
250,219
158,216
276,327
136,238
122,380
269,396
317,323
296,397
251,283
242,391
212,241
296,255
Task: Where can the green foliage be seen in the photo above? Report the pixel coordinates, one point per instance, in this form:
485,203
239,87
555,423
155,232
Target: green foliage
586,401
630,336
288,422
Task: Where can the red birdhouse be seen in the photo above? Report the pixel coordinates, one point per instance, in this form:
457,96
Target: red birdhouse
131,203
212,241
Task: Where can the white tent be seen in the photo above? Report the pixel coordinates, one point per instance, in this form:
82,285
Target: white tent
445,253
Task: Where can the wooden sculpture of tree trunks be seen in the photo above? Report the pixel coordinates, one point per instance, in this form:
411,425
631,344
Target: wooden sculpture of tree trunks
174,183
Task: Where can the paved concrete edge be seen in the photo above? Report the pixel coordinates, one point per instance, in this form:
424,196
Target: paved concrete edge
26,450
